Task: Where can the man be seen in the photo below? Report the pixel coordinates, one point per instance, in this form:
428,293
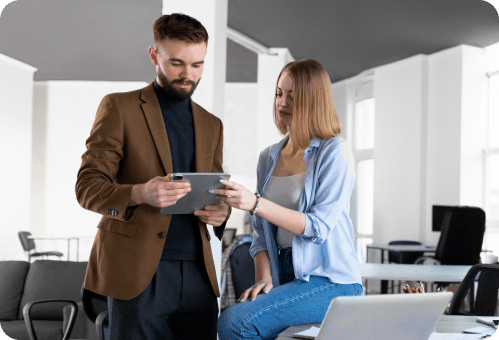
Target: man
157,270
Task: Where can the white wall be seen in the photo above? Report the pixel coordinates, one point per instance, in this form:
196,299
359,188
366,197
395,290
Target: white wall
430,132
240,140
398,158
16,96
457,123
63,114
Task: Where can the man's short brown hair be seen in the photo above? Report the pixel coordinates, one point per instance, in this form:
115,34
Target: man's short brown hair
179,26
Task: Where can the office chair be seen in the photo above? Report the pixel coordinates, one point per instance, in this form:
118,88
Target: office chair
243,269
95,308
29,247
461,239
403,257
478,293
460,242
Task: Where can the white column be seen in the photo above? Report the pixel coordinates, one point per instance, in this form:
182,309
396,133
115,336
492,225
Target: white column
212,14
16,96
399,161
269,67
457,125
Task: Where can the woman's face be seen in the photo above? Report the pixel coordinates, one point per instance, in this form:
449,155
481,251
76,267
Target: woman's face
284,99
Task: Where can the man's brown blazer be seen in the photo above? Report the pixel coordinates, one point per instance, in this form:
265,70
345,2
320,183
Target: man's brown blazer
128,145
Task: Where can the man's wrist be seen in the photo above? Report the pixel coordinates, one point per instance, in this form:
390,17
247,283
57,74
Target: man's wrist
136,195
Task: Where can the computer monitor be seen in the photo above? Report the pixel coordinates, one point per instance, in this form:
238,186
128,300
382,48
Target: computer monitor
438,213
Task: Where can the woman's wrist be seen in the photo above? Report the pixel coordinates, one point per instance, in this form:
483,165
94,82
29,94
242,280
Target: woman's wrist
257,203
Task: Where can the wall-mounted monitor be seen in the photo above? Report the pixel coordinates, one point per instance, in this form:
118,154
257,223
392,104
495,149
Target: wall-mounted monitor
438,213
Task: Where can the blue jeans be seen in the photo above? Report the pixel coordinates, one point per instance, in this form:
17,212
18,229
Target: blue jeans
293,303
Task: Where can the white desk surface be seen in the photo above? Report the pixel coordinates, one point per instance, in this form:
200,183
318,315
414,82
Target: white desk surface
402,248
446,324
34,237
413,272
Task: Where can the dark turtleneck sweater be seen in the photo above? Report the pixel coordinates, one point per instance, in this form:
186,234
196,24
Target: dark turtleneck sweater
183,241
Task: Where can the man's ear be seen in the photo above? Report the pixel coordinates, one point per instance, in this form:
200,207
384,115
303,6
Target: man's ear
152,56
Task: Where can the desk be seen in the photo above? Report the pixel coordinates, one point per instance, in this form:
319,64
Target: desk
409,248
413,272
446,324
399,248
60,238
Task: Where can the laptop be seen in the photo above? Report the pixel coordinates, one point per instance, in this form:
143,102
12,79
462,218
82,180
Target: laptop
395,316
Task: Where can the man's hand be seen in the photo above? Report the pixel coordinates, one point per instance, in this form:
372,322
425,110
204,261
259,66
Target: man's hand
213,214
159,192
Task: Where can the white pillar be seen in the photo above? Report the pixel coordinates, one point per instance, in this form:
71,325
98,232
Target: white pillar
210,93
16,96
269,67
457,125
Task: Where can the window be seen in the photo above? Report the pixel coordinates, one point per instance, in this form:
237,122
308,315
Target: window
363,118
491,153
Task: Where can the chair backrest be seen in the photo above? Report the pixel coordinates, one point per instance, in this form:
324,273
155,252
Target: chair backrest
55,280
461,239
404,257
478,294
243,269
27,243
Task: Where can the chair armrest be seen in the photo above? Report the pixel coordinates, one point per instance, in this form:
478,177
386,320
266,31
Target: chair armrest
80,325
428,260
99,324
29,322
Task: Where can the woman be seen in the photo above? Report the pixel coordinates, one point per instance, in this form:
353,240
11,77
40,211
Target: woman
303,244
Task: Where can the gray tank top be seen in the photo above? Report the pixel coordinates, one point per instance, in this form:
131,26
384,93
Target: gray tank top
286,192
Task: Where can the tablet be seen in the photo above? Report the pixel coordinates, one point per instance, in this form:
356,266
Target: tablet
199,196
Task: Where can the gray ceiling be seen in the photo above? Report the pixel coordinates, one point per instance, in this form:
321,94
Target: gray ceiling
108,40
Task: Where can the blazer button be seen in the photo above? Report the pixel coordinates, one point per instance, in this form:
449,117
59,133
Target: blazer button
161,235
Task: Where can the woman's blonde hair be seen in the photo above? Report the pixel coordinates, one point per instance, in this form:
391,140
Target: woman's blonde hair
314,115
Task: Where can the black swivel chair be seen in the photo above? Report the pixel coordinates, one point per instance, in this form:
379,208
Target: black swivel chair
403,257
478,293
95,308
461,238
460,242
29,247
243,269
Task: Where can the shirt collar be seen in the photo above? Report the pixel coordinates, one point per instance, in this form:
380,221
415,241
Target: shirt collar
274,152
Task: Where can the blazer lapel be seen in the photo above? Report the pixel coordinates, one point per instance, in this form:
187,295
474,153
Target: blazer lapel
154,118
200,137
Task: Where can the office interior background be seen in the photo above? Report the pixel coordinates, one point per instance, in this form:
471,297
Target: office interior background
415,84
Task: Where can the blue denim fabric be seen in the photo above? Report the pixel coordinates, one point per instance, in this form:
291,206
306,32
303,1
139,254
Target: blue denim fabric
285,264
293,303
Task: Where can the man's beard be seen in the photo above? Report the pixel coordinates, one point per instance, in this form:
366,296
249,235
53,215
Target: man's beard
176,94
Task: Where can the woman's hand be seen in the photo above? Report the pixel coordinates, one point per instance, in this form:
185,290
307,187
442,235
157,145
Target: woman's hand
257,288
236,196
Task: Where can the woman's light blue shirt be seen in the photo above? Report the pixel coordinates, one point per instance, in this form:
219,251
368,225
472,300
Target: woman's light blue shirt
326,247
